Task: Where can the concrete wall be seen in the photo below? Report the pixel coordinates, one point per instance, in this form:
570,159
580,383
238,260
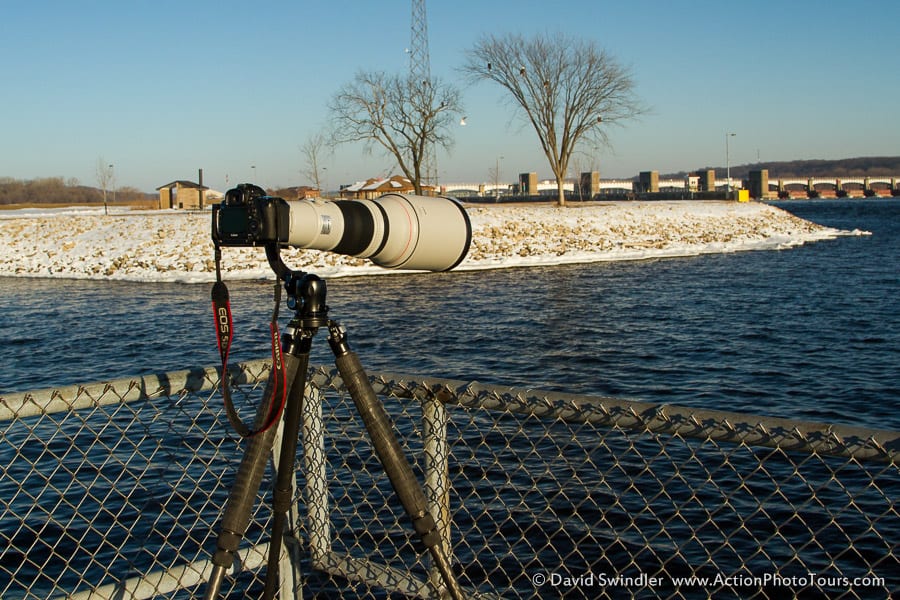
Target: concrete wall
708,181
188,198
758,183
648,182
589,184
165,198
528,184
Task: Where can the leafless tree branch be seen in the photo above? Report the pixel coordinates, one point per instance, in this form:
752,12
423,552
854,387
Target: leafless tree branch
570,90
313,149
400,116
104,178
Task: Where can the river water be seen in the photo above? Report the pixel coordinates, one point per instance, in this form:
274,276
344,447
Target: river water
810,332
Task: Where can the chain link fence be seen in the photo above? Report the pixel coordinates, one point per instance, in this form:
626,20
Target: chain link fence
114,490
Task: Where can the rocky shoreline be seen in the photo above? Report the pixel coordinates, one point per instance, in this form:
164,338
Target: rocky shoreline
176,246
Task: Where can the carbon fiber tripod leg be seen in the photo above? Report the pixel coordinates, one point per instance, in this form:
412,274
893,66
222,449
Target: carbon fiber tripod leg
390,453
244,490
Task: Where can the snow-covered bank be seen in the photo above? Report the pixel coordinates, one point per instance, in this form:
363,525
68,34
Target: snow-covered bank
176,246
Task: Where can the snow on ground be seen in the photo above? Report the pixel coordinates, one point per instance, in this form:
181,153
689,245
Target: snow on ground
176,246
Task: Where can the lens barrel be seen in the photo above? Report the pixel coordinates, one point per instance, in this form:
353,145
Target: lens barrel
396,231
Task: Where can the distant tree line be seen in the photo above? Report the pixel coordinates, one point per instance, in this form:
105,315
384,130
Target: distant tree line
56,190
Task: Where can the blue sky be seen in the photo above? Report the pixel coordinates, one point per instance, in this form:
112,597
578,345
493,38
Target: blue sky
161,88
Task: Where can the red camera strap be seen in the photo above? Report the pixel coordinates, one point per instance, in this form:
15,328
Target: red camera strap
225,335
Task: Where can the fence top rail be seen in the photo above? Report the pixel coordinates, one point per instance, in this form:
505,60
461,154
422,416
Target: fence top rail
709,424
21,405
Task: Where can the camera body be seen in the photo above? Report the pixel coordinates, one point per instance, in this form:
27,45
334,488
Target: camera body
249,217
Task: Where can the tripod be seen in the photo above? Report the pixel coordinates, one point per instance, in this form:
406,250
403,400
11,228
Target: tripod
306,295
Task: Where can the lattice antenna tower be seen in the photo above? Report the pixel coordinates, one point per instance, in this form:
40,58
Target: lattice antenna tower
420,72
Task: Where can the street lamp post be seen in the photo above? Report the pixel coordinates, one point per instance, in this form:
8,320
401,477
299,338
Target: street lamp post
497,179
727,167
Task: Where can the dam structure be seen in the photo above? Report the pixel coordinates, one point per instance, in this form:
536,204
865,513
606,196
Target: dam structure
701,185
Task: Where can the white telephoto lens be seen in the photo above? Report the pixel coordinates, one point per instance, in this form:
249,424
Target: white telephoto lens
395,231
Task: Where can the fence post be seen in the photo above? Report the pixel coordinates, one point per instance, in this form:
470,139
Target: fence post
437,474
316,490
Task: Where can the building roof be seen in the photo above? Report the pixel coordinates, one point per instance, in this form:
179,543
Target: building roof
397,183
183,183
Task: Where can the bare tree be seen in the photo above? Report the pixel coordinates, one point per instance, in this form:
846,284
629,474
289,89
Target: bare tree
313,149
402,116
570,90
494,175
104,178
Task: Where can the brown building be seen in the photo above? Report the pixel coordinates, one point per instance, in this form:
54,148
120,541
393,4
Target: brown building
375,187
297,192
305,192
182,194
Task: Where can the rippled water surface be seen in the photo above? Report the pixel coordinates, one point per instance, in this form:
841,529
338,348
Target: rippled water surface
810,332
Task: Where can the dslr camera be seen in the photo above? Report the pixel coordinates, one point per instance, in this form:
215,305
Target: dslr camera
403,231
248,217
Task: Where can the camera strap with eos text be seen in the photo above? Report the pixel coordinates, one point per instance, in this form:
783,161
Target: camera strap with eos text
225,335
